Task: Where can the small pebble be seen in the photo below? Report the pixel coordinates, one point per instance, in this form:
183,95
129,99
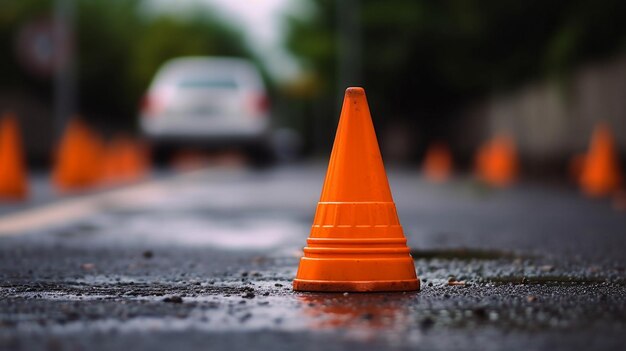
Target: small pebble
173,299
427,323
457,283
481,313
546,268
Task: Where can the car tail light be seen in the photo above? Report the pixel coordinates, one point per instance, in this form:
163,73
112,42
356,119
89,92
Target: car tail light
261,104
145,104
151,105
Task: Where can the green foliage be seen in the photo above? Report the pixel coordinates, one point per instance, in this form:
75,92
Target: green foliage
168,37
424,60
120,46
313,40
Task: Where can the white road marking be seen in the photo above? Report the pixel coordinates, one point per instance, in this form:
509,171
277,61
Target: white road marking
69,210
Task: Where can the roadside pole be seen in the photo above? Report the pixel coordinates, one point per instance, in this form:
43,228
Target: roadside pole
64,86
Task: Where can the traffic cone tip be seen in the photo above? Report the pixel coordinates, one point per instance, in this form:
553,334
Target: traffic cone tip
355,91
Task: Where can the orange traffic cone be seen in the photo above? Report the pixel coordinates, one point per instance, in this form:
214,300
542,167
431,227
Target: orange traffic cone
13,183
438,163
79,158
496,161
356,242
601,174
125,160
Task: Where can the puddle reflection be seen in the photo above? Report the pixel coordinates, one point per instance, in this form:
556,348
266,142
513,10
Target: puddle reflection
363,313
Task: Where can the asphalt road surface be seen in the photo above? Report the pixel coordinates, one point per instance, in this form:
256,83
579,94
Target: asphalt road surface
205,261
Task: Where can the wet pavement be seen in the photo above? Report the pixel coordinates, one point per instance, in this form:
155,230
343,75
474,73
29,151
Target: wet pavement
205,261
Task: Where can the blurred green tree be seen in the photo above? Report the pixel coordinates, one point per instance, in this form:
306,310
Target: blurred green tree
120,45
423,61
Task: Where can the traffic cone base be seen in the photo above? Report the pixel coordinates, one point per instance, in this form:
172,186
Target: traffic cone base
364,286
335,267
356,241
366,264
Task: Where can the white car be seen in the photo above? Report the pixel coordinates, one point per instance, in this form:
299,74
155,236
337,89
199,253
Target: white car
207,101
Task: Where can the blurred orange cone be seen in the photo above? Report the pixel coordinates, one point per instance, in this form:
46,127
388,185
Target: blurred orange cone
601,174
496,161
356,242
13,182
79,158
437,165
125,160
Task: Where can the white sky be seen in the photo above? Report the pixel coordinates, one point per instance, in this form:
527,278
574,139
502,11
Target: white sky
262,23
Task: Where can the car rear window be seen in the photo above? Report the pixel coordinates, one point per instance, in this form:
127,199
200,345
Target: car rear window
198,83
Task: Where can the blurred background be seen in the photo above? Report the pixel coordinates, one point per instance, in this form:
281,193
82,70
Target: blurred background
455,72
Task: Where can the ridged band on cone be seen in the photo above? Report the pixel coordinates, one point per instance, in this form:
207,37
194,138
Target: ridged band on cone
356,241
